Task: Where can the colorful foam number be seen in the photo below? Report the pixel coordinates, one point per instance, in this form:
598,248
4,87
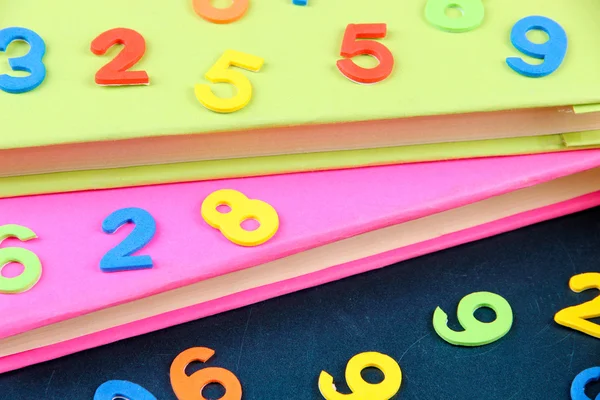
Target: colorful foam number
576,317
122,389
189,387
120,258
220,73
580,382
476,333
32,267
242,209
116,73
31,62
352,47
235,11
472,13
300,2
552,52
361,389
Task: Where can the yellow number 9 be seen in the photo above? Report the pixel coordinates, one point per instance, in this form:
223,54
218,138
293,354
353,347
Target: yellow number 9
242,209
31,263
362,390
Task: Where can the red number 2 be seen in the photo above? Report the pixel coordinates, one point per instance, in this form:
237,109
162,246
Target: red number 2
351,47
115,72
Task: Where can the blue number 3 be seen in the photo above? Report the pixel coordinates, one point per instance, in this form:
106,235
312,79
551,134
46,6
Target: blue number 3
551,52
120,258
31,62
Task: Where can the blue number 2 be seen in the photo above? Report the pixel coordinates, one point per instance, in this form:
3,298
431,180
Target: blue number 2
552,52
122,389
581,381
120,258
31,62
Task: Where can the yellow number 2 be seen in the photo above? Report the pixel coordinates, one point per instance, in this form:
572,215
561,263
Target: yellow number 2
242,209
576,317
220,73
32,267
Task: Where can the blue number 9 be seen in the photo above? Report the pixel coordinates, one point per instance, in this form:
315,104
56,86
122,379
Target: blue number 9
581,381
31,62
552,52
116,389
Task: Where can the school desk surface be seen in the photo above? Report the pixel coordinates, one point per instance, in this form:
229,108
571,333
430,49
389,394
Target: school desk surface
277,348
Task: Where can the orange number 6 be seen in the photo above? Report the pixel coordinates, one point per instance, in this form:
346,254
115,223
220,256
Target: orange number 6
206,10
189,387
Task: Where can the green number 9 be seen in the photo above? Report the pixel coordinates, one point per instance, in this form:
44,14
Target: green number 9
476,333
472,14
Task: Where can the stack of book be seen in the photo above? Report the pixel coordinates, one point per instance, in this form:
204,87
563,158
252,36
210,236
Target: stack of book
452,140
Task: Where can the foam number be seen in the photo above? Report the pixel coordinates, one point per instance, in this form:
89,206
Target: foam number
361,389
32,267
190,387
31,62
552,52
242,209
116,73
300,2
472,13
122,390
352,47
120,258
220,73
576,317
581,381
235,11
476,333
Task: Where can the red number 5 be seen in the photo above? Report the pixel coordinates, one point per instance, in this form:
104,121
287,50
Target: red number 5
351,47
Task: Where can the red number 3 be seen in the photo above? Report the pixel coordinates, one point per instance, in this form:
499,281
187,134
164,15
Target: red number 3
351,47
115,72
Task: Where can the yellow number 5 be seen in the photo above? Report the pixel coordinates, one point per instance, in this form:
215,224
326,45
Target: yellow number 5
220,73
32,267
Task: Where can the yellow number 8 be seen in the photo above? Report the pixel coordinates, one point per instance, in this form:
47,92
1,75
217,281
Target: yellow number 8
242,209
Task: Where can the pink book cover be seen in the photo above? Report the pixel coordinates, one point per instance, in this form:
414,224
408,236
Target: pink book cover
314,209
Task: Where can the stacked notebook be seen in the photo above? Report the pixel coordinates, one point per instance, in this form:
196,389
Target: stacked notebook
443,99
333,224
451,99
